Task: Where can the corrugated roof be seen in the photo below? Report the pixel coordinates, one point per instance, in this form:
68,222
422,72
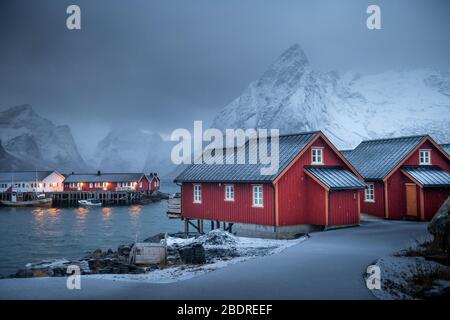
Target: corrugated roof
289,147
375,159
103,177
7,176
336,178
346,153
429,176
446,147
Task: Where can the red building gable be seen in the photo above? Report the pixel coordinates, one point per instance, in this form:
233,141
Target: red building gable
408,177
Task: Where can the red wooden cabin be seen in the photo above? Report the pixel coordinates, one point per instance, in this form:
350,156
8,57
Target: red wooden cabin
154,182
106,182
407,177
314,186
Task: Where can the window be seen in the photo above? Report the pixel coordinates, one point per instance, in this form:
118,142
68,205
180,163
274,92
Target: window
91,185
369,194
257,196
425,157
229,192
197,193
317,155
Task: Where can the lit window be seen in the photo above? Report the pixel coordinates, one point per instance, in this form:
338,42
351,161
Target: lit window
317,155
257,196
369,194
229,192
425,157
197,193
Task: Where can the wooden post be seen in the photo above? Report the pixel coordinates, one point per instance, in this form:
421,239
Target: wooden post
186,227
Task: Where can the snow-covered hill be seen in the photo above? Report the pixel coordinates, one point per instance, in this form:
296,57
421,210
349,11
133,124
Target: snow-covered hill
293,97
37,141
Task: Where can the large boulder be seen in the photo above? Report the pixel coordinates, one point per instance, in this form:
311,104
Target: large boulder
439,226
192,254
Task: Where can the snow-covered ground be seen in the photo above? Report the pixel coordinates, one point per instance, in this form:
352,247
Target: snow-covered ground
329,265
246,248
397,273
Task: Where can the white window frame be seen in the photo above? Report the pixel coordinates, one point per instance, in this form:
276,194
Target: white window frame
369,197
229,192
257,196
428,157
197,190
314,157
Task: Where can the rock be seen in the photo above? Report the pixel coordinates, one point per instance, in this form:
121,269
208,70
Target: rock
123,250
440,290
47,272
23,273
97,254
156,238
439,226
193,254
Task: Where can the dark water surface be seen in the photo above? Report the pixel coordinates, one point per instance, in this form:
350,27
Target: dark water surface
35,234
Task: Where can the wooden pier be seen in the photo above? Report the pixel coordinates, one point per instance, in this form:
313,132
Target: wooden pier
70,198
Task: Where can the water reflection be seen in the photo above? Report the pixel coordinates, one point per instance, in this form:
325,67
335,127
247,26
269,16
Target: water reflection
81,215
47,221
106,214
135,211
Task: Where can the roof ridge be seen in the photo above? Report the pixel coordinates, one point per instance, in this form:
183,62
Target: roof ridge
103,173
18,171
396,138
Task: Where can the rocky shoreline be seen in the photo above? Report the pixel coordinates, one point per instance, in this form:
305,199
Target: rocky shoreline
201,249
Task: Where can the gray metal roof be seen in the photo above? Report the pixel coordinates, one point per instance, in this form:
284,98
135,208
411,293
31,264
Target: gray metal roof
346,153
375,159
7,176
446,147
429,176
289,147
336,178
103,177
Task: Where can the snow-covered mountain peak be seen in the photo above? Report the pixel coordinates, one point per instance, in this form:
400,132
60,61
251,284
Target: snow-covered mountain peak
28,136
291,96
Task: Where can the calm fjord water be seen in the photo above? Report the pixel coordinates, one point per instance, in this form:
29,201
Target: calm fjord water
35,234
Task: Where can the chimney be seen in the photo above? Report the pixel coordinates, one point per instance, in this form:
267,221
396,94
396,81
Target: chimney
99,173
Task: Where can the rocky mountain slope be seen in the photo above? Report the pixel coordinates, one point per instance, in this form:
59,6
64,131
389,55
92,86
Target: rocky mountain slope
36,141
293,97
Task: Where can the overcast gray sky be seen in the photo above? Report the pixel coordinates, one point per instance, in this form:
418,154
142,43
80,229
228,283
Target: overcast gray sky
159,65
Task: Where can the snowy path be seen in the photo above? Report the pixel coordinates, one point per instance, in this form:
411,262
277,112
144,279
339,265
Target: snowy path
329,265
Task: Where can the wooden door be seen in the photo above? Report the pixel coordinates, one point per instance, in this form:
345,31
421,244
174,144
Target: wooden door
411,200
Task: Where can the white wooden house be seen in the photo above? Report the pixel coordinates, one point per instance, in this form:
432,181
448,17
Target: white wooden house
31,181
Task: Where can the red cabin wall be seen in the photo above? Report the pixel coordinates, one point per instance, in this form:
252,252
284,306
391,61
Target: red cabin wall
343,208
397,195
315,203
375,208
145,184
437,158
214,206
294,198
433,200
154,184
